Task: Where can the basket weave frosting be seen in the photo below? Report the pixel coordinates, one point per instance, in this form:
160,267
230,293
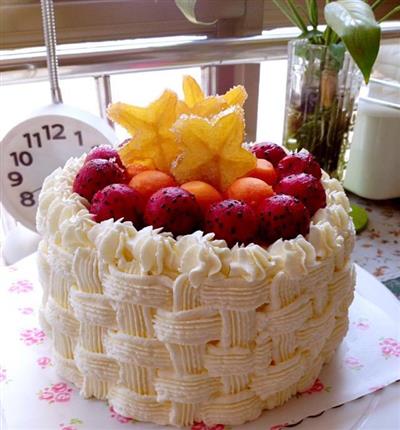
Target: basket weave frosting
175,332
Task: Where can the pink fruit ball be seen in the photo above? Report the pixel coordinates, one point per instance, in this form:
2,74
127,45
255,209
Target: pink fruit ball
95,175
269,151
307,188
117,201
231,220
302,162
282,216
104,152
174,209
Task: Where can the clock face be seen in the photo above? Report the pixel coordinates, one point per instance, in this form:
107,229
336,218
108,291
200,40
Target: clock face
36,147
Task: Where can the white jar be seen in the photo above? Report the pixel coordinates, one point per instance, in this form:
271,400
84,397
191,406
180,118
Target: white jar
373,170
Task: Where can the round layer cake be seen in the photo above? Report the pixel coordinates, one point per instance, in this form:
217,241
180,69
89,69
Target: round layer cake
177,331
188,277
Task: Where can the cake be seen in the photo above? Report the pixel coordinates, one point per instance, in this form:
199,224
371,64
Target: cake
176,329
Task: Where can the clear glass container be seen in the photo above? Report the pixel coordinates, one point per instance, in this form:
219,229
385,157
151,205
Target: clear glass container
322,85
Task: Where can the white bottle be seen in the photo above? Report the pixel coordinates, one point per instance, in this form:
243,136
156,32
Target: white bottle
373,170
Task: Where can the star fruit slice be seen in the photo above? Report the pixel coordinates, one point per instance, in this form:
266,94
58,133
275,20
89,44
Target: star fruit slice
152,141
212,149
195,102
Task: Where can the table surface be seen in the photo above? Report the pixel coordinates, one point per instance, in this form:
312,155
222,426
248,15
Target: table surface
377,248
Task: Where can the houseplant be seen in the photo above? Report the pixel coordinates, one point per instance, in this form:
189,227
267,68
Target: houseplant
325,71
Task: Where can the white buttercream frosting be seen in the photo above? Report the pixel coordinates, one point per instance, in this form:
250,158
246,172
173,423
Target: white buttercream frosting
298,255
162,320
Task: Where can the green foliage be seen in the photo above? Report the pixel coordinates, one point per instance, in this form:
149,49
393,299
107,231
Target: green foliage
351,23
354,22
312,11
336,54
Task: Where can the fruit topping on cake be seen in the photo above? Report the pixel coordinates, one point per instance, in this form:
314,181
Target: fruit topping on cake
233,221
174,209
265,171
282,216
268,151
153,141
187,167
117,201
106,153
306,188
249,190
134,168
301,162
150,181
204,193
212,149
95,175
197,103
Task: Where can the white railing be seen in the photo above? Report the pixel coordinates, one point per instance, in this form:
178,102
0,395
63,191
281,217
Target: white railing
105,58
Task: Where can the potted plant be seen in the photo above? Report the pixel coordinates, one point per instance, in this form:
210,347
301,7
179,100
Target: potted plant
325,70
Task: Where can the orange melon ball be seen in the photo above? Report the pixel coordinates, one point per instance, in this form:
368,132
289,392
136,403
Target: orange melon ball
150,181
249,190
133,169
205,193
265,171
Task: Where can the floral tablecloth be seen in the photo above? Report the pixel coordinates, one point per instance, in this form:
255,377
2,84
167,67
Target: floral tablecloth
33,397
378,246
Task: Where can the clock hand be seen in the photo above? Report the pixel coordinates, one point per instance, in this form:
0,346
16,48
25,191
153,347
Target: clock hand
37,189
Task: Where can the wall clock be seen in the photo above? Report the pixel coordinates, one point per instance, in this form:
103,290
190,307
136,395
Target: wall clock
45,141
40,144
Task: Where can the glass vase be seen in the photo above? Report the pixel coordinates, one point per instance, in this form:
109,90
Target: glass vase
322,85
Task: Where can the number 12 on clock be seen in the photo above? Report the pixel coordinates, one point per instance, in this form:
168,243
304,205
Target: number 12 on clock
52,132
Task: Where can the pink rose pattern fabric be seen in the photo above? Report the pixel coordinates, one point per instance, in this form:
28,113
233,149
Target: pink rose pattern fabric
361,324
26,311
20,287
390,347
317,387
3,375
32,336
377,247
44,362
56,393
120,418
202,426
353,363
73,424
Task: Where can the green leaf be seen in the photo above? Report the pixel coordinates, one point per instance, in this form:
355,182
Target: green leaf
315,36
336,51
187,7
284,8
293,8
312,10
354,22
